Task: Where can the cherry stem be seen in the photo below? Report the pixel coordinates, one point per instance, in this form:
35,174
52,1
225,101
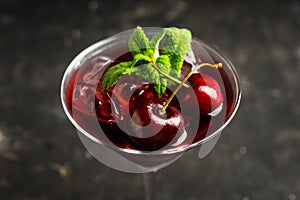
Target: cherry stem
216,65
168,76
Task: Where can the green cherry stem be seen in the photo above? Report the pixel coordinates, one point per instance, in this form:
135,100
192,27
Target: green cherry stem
216,65
168,76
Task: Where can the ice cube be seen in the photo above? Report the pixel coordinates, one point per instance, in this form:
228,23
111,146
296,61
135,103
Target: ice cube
84,98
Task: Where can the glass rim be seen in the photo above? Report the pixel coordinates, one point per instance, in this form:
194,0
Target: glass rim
85,54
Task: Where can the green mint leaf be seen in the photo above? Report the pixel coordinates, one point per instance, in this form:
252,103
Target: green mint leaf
178,41
177,44
114,73
138,42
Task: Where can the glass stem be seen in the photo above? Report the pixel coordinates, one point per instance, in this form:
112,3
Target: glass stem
149,182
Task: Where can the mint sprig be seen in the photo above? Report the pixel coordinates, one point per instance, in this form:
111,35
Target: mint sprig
158,60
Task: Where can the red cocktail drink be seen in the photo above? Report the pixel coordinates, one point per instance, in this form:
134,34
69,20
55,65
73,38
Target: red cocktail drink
130,120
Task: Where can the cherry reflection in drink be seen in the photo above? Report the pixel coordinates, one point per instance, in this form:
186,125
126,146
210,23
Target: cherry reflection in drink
132,127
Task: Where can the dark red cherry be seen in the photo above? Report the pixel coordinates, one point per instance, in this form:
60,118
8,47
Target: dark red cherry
152,130
208,93
148,127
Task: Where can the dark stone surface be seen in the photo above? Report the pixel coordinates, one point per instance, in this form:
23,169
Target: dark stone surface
257,157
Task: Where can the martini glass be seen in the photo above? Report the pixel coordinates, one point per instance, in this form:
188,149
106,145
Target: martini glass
81,80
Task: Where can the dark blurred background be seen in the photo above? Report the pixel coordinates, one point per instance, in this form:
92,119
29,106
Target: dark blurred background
257,156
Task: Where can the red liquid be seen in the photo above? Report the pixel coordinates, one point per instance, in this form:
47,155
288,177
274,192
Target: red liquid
101,112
